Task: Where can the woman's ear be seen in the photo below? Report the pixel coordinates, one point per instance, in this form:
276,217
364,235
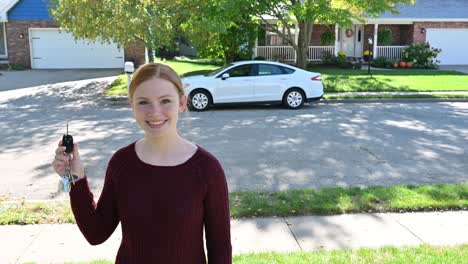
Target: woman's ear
182,103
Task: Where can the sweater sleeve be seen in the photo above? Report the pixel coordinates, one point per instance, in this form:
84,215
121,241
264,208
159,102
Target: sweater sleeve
216,215
96,222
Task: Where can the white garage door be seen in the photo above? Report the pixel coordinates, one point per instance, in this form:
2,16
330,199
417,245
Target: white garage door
54,49
452,42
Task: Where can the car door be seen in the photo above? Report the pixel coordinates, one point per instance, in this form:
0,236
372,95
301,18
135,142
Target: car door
270,82
237,88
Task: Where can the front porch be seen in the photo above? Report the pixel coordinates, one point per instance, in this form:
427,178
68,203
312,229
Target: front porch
353,41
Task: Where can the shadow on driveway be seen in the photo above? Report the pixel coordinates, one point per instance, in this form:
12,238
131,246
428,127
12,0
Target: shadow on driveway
30,78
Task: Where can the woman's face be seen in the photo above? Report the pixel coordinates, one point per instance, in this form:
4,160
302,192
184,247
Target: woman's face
156,106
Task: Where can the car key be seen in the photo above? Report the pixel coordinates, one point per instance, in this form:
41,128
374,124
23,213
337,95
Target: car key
67,141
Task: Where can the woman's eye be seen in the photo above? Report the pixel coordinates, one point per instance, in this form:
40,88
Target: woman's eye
165,101
142,102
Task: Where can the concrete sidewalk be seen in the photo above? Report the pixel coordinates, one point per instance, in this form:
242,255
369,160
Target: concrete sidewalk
60,243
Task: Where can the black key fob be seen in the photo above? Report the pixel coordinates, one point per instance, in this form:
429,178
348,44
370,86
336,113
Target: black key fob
67,141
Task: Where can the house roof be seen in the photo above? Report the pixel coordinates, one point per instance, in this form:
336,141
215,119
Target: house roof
5,6
431,9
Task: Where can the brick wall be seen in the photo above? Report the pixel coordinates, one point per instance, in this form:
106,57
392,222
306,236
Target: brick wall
18,48
419,37
317,31
135,52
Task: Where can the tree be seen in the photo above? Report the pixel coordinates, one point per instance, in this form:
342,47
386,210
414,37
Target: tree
221,29
119,21
305,13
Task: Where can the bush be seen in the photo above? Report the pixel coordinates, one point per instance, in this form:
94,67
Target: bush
421,55
327,38
16,67
342,62
381,62
384,37
259,58
328,58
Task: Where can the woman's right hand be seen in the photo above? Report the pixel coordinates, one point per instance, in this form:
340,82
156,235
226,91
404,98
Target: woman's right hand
62,159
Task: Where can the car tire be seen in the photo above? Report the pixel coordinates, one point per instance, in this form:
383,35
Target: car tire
199,100
293,98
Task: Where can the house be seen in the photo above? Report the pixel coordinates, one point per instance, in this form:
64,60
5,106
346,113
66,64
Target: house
442,23
29,37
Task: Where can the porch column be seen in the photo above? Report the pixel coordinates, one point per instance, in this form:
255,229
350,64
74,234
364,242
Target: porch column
337,42
376,30
296,40
254,53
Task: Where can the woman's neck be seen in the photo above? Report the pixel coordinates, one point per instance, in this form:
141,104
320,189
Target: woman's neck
162,145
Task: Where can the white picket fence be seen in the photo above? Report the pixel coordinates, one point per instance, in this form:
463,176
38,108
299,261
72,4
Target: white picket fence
391,52
287,53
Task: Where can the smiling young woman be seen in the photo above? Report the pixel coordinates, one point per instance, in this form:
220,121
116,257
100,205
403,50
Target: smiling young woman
162,188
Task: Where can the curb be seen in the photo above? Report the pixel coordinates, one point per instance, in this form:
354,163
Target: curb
393,100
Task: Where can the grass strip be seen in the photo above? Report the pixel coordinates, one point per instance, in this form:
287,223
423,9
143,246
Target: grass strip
424,254
333,200
334,96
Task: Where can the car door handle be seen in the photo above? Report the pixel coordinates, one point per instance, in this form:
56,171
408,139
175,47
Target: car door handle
283,79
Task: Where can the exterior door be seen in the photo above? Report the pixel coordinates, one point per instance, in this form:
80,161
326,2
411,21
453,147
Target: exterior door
3,46
237,88
54,49
452,41
352,40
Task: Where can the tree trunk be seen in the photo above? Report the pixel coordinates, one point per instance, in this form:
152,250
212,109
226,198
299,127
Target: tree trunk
302,48
150,54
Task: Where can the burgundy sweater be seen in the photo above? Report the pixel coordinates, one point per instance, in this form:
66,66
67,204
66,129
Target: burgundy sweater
162,210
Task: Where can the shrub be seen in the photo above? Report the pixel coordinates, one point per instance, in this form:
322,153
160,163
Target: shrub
381,62
16,67
259,58
384,37
341,61
421,55
327,38
328,58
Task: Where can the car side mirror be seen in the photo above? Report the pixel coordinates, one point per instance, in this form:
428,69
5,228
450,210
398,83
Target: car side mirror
225,76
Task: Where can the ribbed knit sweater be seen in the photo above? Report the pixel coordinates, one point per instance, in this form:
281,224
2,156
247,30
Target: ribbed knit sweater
162,209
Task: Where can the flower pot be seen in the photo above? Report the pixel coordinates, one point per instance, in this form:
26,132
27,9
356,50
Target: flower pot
402,64
409,64
395,65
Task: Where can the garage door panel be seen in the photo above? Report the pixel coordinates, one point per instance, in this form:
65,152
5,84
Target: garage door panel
52,49
452,42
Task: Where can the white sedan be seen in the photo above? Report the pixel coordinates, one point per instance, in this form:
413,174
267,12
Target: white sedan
253,82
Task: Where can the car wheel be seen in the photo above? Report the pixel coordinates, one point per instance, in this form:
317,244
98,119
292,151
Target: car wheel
199,101
293,99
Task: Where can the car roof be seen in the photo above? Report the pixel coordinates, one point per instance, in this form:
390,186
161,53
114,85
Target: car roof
262,61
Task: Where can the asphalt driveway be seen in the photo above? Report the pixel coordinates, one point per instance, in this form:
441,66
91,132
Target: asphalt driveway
22,79
261,148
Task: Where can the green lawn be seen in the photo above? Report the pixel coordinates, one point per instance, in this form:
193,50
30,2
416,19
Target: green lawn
337,80
183,68
411,80
423,254
333,200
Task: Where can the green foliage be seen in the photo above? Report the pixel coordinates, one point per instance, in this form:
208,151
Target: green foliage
385,37
16,67
259,58
422,55
341,61
381,62
327,38
122,22
328,58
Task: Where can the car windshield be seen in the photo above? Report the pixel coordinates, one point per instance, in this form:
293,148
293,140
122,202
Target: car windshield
219,70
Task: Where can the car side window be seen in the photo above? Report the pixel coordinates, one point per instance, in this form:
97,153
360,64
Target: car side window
267,69
241,71
287,70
